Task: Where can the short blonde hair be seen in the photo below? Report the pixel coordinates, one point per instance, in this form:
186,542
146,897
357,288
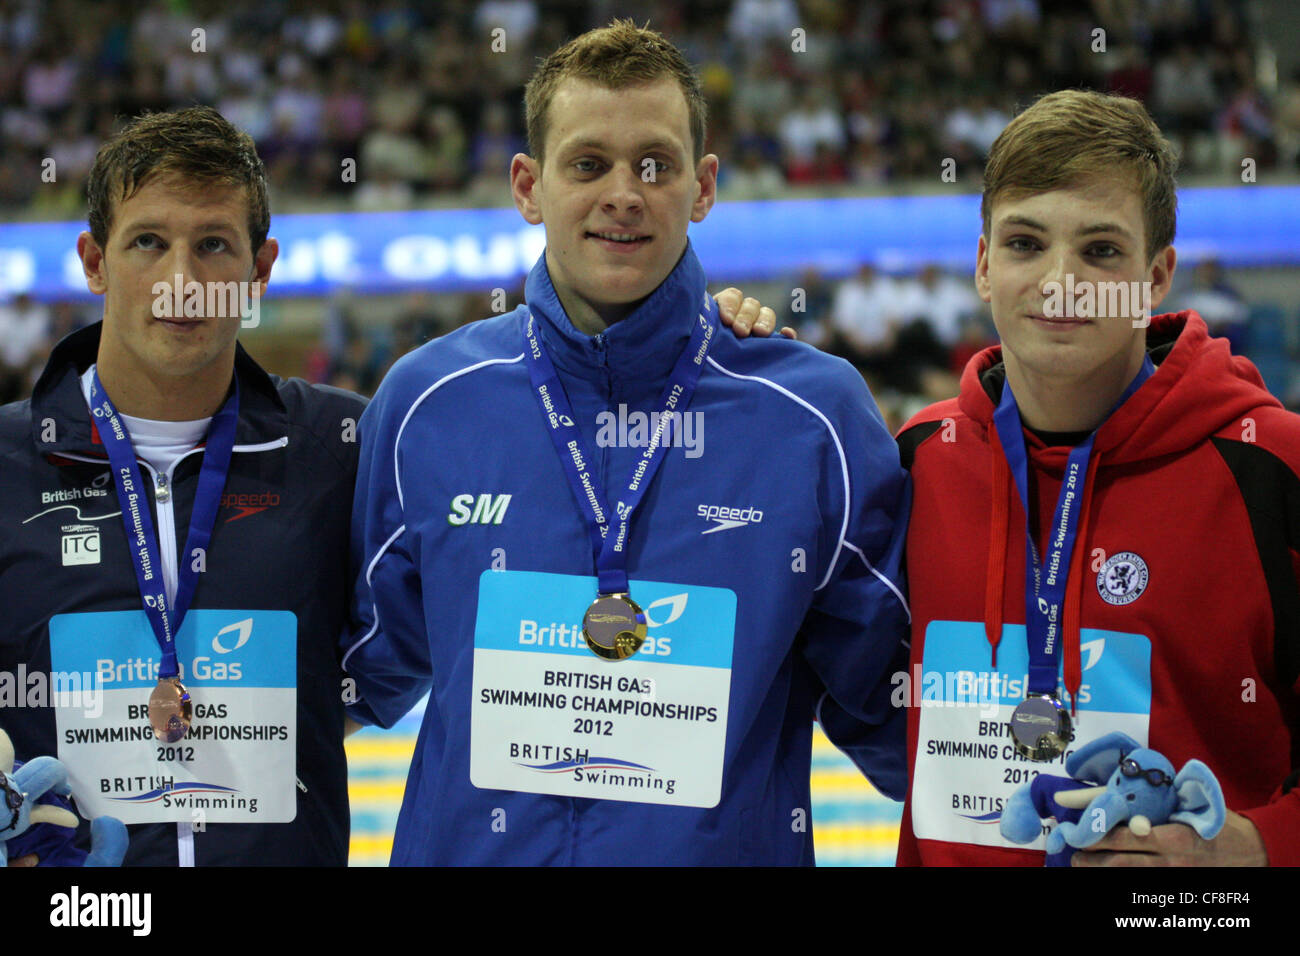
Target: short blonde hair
1071,136
617,56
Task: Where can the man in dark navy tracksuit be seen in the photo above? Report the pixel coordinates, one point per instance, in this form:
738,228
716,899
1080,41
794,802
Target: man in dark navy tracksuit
260,778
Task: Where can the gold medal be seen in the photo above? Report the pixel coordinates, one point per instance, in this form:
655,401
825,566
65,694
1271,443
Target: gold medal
169,710
614,627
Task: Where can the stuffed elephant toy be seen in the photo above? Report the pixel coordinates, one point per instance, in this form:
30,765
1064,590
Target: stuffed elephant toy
33,795
1113,780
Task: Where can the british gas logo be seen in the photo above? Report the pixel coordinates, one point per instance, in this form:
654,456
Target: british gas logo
659,613
242,631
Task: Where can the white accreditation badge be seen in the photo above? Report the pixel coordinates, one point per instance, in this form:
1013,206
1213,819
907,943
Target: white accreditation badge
549,716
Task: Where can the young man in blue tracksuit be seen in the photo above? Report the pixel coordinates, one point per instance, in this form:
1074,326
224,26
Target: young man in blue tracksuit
626,556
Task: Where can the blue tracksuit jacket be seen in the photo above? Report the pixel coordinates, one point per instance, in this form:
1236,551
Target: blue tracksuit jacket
783,430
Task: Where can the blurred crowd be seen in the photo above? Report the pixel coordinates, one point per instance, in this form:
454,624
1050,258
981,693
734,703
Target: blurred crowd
425,98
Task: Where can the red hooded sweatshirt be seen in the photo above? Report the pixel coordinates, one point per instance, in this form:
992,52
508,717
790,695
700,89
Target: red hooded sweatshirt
1181,622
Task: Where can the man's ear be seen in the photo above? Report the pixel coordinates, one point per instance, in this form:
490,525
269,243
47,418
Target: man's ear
525,174
706,187
1161,274
92,263
263,261
982,270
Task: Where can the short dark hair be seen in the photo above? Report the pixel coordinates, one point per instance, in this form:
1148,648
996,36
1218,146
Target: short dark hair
197,145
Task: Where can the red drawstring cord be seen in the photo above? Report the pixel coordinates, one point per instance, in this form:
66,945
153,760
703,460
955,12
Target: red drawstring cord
999,528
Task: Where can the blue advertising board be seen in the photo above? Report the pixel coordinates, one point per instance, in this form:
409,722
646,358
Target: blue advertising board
463,250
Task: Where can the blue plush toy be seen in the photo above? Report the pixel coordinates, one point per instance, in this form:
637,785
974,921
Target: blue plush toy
35,817
1139,788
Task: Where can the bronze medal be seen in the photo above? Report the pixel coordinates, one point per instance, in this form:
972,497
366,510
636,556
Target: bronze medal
170,710
614,627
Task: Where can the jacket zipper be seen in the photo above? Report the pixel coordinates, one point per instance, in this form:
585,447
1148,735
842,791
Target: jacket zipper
165,526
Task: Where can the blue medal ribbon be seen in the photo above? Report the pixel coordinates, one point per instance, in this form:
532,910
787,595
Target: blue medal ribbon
138,521
1045,586
609,532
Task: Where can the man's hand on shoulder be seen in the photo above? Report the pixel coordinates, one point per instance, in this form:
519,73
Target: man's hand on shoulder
747,317
1177,844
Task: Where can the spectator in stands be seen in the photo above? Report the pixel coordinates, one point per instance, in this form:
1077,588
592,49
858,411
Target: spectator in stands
24,342
1184,98
1246,128
974,124
517,17
383,189
445,147
943,303
825,168
753,21
812,122
810,308
864,322
931,310
1287,114
494,143
752,177
1218,303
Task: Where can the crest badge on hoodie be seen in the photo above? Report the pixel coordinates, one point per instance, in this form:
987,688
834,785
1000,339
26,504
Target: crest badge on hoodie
1122,579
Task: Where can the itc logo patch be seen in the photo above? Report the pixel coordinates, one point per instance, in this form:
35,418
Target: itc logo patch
80,544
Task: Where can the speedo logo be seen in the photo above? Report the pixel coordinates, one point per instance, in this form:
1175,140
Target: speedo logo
728,518
249,504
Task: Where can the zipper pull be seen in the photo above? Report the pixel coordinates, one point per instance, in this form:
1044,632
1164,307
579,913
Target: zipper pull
162,491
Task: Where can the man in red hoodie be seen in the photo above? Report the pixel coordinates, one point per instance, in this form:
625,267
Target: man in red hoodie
1152,589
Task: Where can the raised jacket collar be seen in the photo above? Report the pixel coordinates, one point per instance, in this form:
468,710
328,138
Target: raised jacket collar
57,397
641,347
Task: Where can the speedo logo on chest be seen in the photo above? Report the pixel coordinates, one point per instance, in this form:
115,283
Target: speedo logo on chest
725,518
484,509
243,505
